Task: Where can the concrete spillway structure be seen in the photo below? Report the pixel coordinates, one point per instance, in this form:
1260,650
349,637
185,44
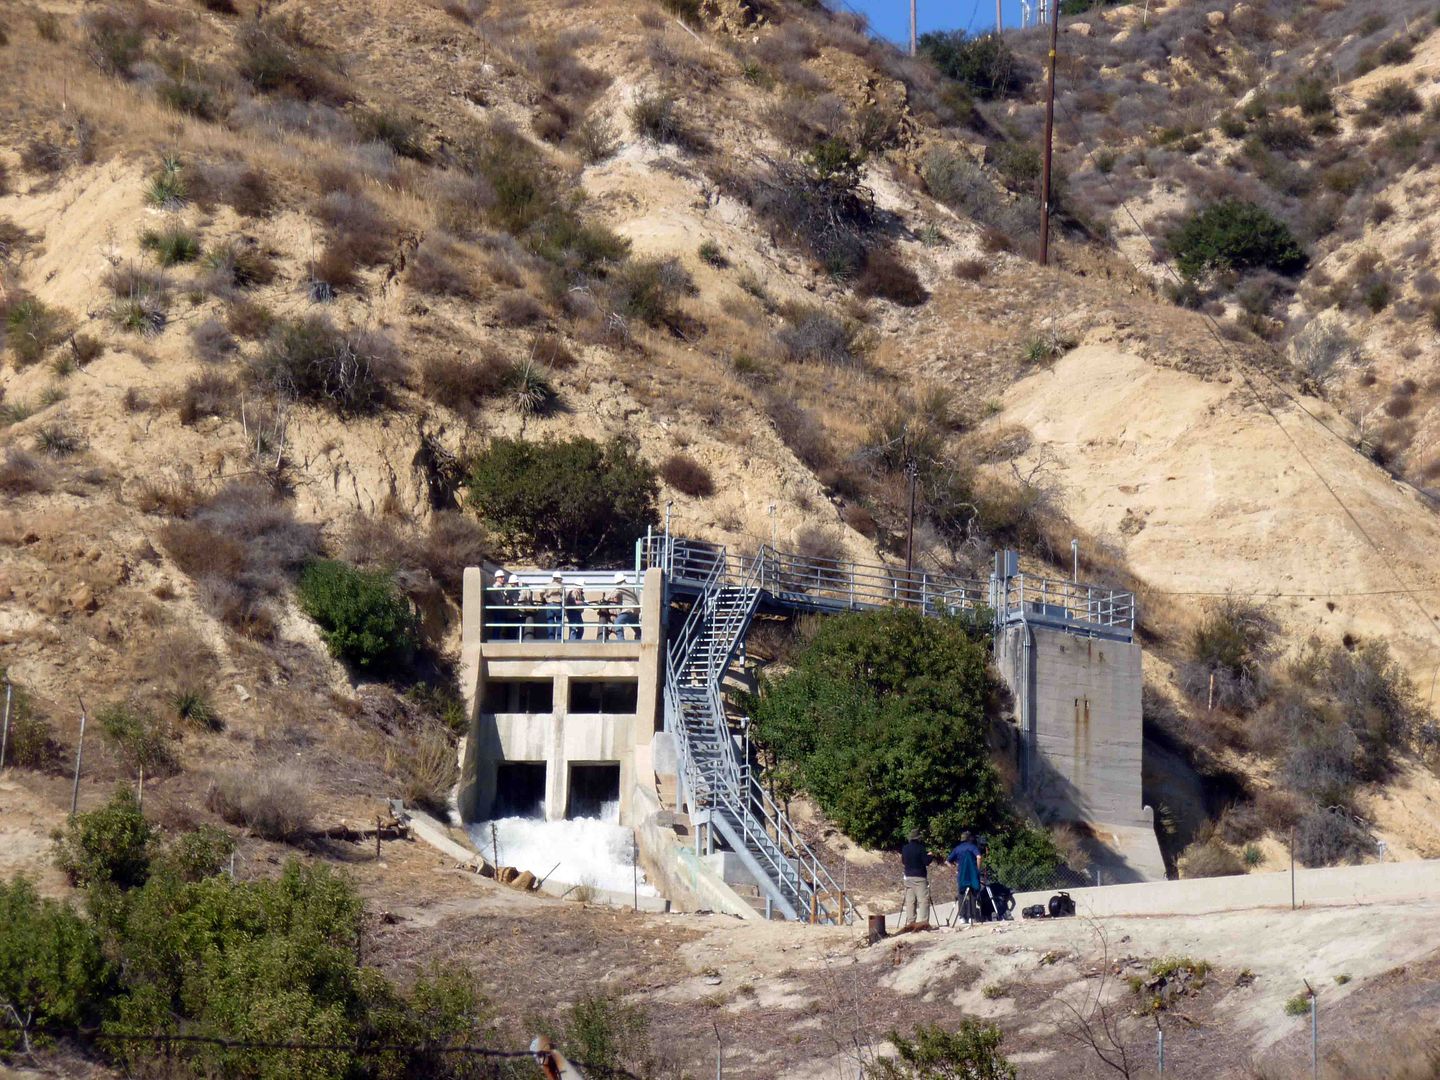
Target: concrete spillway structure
568,719
558,725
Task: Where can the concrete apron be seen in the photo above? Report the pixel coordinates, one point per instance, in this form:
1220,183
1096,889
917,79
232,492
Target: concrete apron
1332,885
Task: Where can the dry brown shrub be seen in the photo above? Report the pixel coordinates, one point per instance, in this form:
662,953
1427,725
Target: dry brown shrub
462,383
243,187
173,498
272,803
1209,858
209,394
433,268
22,473
517,308
687,476
993,241
886,277
970,269
551,351
248,319
426,764
861,520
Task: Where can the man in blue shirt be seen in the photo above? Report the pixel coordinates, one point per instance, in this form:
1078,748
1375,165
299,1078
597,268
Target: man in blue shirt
966,858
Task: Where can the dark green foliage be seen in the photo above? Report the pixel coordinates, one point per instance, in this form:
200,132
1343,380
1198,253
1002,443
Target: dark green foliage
365,620
192,706
197,855
1235,235
984,65
1312,94
51,968
649,290
32,740
607,1034
189,97
277,58
1023,857
574,501
656,116
818,204
141,740
1019,166
172,245
971,1053
31,329
882,719
109,846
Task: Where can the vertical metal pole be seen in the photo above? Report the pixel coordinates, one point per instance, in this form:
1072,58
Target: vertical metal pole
1160,1047
911,470
140,790
999,18
1075,561
1054,13
719,1045
635,867
79,757
1292,869
912,27
1314,1036
495,850
5,734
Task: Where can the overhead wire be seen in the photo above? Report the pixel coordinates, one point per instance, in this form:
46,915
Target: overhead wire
1242,368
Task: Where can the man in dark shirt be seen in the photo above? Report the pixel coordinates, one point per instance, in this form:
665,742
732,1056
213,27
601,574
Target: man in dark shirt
915,862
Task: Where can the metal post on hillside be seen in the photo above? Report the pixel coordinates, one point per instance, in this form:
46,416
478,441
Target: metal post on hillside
79,757
999,18
5,733
912,27
912,470
1054,13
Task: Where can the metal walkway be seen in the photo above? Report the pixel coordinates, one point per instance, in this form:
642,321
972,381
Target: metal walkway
725,591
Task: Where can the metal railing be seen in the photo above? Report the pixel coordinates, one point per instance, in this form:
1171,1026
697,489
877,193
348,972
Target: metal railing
519,612
716,777
1069,604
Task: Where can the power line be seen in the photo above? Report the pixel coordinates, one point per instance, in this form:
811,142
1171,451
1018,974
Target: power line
1241,368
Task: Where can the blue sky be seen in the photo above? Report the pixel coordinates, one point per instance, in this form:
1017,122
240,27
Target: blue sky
891,18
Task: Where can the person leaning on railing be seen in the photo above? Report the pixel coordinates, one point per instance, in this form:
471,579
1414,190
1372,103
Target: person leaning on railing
575,612
495,601
626,607
552,597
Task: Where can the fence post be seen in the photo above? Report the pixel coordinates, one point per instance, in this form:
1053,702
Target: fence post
1314,1036
5,735
1160,1047
1292,868
79,756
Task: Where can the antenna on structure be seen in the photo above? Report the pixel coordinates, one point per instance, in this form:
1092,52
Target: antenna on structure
1052,11
1025,12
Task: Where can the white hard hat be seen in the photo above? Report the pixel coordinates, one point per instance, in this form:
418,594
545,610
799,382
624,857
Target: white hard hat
556,576
620,578
500,574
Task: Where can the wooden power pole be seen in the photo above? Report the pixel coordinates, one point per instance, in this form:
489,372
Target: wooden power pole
1054,13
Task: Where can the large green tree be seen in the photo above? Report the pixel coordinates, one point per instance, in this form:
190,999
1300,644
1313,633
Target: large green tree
573,500
882,719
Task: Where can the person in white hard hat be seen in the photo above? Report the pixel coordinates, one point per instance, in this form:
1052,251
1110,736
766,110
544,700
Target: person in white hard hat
627,607
496,602
575,611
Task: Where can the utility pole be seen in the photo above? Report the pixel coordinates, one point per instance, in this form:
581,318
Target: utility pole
912,27
1054,13
999,18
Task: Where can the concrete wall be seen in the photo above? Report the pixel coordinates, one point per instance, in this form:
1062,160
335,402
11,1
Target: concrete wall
671,865
1343,885
1078,707
558,738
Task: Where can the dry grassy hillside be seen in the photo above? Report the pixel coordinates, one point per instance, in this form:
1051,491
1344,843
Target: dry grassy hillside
272,275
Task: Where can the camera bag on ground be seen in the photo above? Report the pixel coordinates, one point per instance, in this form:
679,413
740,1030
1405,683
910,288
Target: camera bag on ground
1061,905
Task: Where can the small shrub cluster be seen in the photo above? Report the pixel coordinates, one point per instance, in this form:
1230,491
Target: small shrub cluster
933,1052
1232,235
687,476
276,56
983,65
240,546
365,620
656,116
888,278
171,245
32,329
32,742
141,739
813,334
571,501
818,204
139,298
649,290
310,360
109,846
1228,650
272,803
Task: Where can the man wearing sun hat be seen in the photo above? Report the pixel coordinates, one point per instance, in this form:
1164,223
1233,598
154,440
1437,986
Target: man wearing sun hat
553,597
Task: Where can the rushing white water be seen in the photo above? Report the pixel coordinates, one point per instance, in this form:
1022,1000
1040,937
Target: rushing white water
590,851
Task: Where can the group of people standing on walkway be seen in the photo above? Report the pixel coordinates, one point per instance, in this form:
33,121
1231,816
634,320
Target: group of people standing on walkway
555,610
967,856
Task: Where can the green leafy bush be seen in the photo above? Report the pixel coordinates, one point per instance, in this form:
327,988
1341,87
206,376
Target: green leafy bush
172,245
882,720
112,845
52,970
31,744
573,500
932,1053
31,328
140,739
1227,653
1235,235
309,359
984,65
365,620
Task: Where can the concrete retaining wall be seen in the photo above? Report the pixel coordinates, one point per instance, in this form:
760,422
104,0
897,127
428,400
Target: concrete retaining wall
671,865
1335,885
